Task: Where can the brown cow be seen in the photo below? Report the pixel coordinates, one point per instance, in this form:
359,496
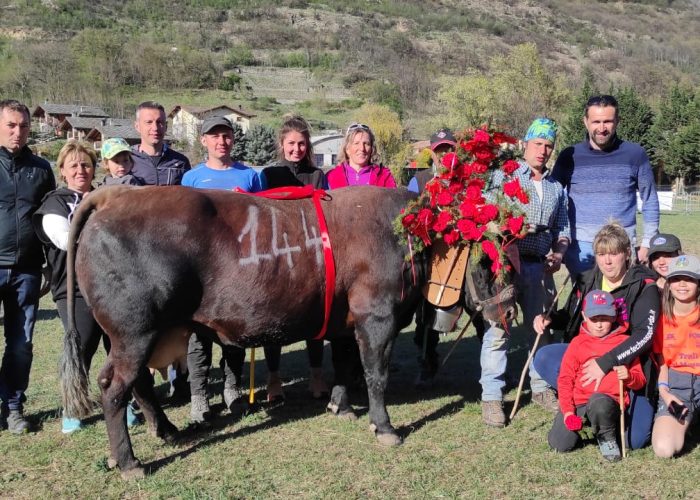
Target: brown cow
156,263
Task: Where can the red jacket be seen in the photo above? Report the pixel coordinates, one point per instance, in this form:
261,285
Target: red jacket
582,348
379,176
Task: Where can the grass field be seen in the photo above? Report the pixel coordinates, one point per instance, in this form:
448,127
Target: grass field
298,450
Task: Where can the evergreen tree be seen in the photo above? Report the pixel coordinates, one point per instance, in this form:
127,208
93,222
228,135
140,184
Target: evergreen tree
674,112
260,145
572,130
238,152
636,117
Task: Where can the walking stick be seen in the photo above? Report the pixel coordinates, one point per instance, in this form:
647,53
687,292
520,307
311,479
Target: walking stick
459,337
622,419
532,352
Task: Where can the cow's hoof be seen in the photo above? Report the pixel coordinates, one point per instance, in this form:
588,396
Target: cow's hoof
389,439
111,463
345,413
137,472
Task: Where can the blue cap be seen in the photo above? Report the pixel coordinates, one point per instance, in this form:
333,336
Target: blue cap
599,303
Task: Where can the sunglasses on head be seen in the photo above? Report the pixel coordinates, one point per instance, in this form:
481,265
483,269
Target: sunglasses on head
357,126
602,100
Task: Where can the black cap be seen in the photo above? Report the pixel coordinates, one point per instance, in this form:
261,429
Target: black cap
664,243
215,121
442,136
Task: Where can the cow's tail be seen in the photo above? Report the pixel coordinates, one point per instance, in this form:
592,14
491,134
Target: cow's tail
75,386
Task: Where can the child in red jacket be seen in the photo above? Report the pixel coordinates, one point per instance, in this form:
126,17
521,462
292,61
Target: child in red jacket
600,331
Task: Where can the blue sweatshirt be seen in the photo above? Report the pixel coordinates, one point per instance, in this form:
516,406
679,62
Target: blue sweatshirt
603,185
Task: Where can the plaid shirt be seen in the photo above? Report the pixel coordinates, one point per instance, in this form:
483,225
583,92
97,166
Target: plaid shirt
551,211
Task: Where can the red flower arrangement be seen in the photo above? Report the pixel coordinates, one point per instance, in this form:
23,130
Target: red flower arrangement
454,207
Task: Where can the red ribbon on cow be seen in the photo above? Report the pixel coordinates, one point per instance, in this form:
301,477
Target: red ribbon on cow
298,193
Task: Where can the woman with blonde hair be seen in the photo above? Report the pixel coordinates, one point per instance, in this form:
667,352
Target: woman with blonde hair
637,300
356,167
76,164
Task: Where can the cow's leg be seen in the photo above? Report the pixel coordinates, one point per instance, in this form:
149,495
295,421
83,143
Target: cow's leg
375,336
158,423
343,355
116,380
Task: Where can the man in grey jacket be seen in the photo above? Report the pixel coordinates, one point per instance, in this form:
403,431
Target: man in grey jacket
24,180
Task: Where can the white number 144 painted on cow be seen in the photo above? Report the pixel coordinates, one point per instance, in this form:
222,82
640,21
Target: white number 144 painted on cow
311,240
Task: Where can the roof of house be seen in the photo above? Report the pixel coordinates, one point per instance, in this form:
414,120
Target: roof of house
69,109
200,111
124,130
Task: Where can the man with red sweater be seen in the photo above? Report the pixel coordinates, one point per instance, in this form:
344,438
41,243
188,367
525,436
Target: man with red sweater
601,330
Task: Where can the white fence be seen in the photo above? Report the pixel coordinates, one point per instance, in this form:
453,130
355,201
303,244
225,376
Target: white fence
688,202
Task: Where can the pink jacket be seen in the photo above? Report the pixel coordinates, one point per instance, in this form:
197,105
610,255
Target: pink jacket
380,176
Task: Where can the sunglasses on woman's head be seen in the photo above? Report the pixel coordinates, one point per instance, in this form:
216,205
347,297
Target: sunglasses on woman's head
357,126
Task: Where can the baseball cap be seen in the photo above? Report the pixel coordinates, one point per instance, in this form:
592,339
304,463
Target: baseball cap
112,147
664,243
599,303
442,136
215,121
684,265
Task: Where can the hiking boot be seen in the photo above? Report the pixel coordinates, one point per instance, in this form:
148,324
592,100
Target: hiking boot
547,399
199,409
492,413
609,449
16,423
70,425
232,394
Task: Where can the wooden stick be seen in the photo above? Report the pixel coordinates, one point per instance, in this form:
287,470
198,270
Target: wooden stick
622,419
441,291
459,337
251,395
532,352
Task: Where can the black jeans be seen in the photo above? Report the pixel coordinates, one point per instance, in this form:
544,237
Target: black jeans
199,362
603,413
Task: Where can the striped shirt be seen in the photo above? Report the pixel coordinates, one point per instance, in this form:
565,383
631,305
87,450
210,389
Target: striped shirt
604,184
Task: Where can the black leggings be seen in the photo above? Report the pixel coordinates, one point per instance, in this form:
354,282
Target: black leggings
88,329
314,348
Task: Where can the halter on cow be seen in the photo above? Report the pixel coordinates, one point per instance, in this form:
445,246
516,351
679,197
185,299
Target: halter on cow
157,263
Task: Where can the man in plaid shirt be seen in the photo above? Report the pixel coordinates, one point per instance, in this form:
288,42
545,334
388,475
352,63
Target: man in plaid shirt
541,254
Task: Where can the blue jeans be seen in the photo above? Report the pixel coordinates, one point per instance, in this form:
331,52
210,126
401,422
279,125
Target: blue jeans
640,412
535,293
19,293
579,257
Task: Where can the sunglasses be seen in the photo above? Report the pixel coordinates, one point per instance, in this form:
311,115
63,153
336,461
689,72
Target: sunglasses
602,100
357,126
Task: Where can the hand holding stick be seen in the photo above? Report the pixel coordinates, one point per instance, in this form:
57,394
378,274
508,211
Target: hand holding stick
532,352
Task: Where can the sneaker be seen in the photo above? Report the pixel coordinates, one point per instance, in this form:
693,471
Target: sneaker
199,410
492,413
547,399
132,418
232,394
69,425
609,449
16,423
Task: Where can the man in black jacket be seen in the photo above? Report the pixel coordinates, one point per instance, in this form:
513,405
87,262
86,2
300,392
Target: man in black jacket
156,164
24,180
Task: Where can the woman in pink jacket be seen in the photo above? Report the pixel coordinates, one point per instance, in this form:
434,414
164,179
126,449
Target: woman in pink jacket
356,167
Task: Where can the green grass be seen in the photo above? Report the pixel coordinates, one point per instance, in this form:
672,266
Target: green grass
298,450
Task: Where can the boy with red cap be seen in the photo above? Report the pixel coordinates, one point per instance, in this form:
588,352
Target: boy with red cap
601,330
